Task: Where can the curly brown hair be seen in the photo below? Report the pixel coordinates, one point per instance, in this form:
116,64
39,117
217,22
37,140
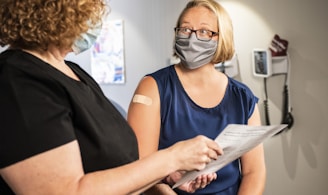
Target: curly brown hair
37,24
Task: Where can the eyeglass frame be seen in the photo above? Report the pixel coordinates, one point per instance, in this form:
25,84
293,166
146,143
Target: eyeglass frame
176,29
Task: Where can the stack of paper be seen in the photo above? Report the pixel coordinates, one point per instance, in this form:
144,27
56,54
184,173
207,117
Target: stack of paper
235,140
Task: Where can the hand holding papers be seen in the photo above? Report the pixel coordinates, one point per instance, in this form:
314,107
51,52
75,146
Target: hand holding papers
235,140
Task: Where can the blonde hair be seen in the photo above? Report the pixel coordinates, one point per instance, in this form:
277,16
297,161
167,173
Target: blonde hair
37,24
225,49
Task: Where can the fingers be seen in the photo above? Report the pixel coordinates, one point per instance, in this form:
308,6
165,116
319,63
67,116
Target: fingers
209,159
208,150
211,148
212,155
196,153
211,151
204,180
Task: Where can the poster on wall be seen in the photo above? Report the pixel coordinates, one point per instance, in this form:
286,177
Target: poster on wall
107,56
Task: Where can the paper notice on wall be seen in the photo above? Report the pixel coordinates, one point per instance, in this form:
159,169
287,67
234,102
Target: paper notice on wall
235,140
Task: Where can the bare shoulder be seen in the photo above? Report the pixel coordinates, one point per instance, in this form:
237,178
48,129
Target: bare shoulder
147,86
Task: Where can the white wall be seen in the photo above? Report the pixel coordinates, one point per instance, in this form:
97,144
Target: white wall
296,160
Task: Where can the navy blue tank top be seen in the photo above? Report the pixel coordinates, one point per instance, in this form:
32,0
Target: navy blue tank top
181,119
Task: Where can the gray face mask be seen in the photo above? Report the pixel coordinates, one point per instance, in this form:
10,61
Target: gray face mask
193,52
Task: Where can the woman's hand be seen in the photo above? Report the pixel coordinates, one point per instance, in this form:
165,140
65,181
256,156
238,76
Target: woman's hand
195,153
200,182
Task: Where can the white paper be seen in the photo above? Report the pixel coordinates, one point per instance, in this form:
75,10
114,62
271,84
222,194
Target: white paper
235,140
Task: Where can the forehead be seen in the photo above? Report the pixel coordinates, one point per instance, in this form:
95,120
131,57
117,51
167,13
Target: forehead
199,16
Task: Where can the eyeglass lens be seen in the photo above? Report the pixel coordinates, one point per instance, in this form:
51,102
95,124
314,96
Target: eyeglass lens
201,34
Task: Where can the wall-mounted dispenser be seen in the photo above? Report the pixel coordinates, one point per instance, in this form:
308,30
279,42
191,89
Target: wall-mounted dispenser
262,63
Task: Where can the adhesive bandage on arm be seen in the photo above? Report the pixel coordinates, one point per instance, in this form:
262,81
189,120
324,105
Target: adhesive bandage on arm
137,98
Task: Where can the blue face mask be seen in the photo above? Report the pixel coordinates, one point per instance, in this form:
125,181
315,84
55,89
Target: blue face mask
87,39
194,53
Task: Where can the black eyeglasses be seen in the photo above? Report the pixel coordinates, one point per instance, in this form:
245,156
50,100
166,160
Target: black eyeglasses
201,34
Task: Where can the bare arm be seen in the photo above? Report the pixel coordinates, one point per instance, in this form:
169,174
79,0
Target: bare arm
145,121
144,117
59,171
253,165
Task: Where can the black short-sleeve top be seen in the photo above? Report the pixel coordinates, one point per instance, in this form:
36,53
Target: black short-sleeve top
41,108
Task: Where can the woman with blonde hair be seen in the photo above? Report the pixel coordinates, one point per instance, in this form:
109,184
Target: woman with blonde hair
192,98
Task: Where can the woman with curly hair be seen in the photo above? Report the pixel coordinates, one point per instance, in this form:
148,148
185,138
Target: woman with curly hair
59,134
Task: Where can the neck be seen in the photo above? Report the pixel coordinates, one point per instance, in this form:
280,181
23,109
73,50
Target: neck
203,71
52,55
202,75
55,58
